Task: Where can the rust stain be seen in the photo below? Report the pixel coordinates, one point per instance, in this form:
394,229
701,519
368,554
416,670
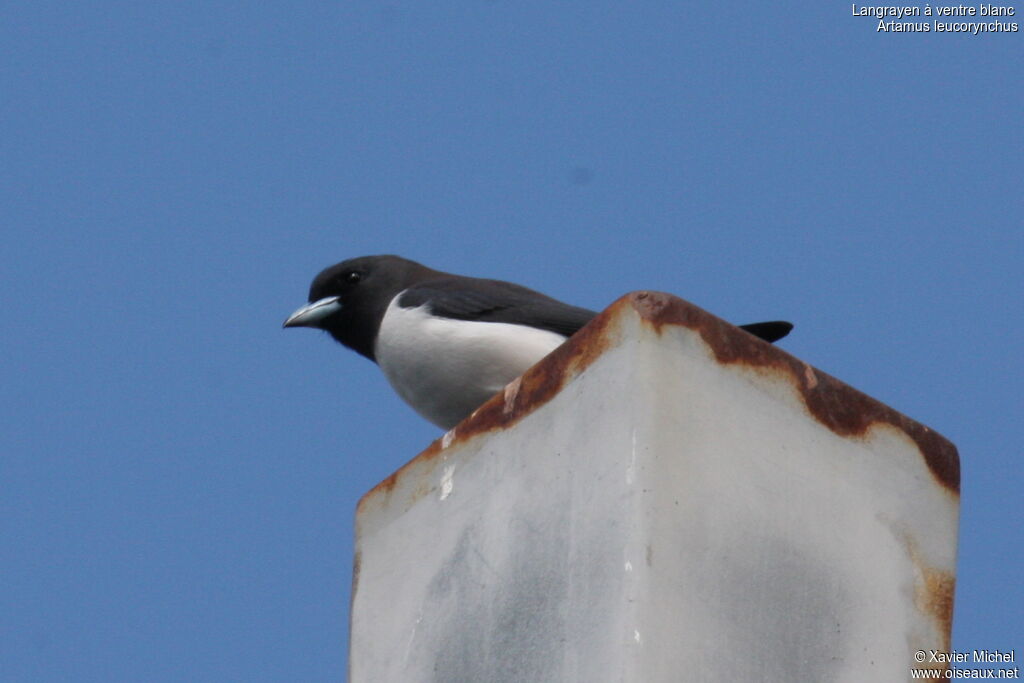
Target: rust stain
843,409
388,485
935,598
933,592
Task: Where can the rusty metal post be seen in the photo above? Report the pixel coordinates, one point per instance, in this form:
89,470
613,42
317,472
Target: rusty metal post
663,498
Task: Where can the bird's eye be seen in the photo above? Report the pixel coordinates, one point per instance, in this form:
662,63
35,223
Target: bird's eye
353,277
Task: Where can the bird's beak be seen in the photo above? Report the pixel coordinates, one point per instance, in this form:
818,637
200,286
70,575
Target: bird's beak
311,315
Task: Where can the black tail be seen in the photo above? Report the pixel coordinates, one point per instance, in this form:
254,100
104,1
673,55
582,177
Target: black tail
769,331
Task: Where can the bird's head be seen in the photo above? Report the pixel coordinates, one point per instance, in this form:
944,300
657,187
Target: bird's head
349,299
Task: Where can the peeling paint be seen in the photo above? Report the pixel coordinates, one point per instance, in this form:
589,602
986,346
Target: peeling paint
812,379
510,393
447,481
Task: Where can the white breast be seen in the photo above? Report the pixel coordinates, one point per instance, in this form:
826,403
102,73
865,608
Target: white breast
447,368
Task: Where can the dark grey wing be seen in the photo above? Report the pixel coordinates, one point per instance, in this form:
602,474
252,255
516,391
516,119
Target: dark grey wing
463,298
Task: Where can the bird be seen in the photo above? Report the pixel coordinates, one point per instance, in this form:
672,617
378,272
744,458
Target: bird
446,343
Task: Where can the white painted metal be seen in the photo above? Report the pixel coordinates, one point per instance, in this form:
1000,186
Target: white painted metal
664,517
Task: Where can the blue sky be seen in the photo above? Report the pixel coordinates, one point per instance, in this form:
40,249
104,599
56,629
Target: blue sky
179,475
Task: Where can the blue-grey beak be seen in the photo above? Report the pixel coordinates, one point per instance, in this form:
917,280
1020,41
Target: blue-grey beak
311,315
